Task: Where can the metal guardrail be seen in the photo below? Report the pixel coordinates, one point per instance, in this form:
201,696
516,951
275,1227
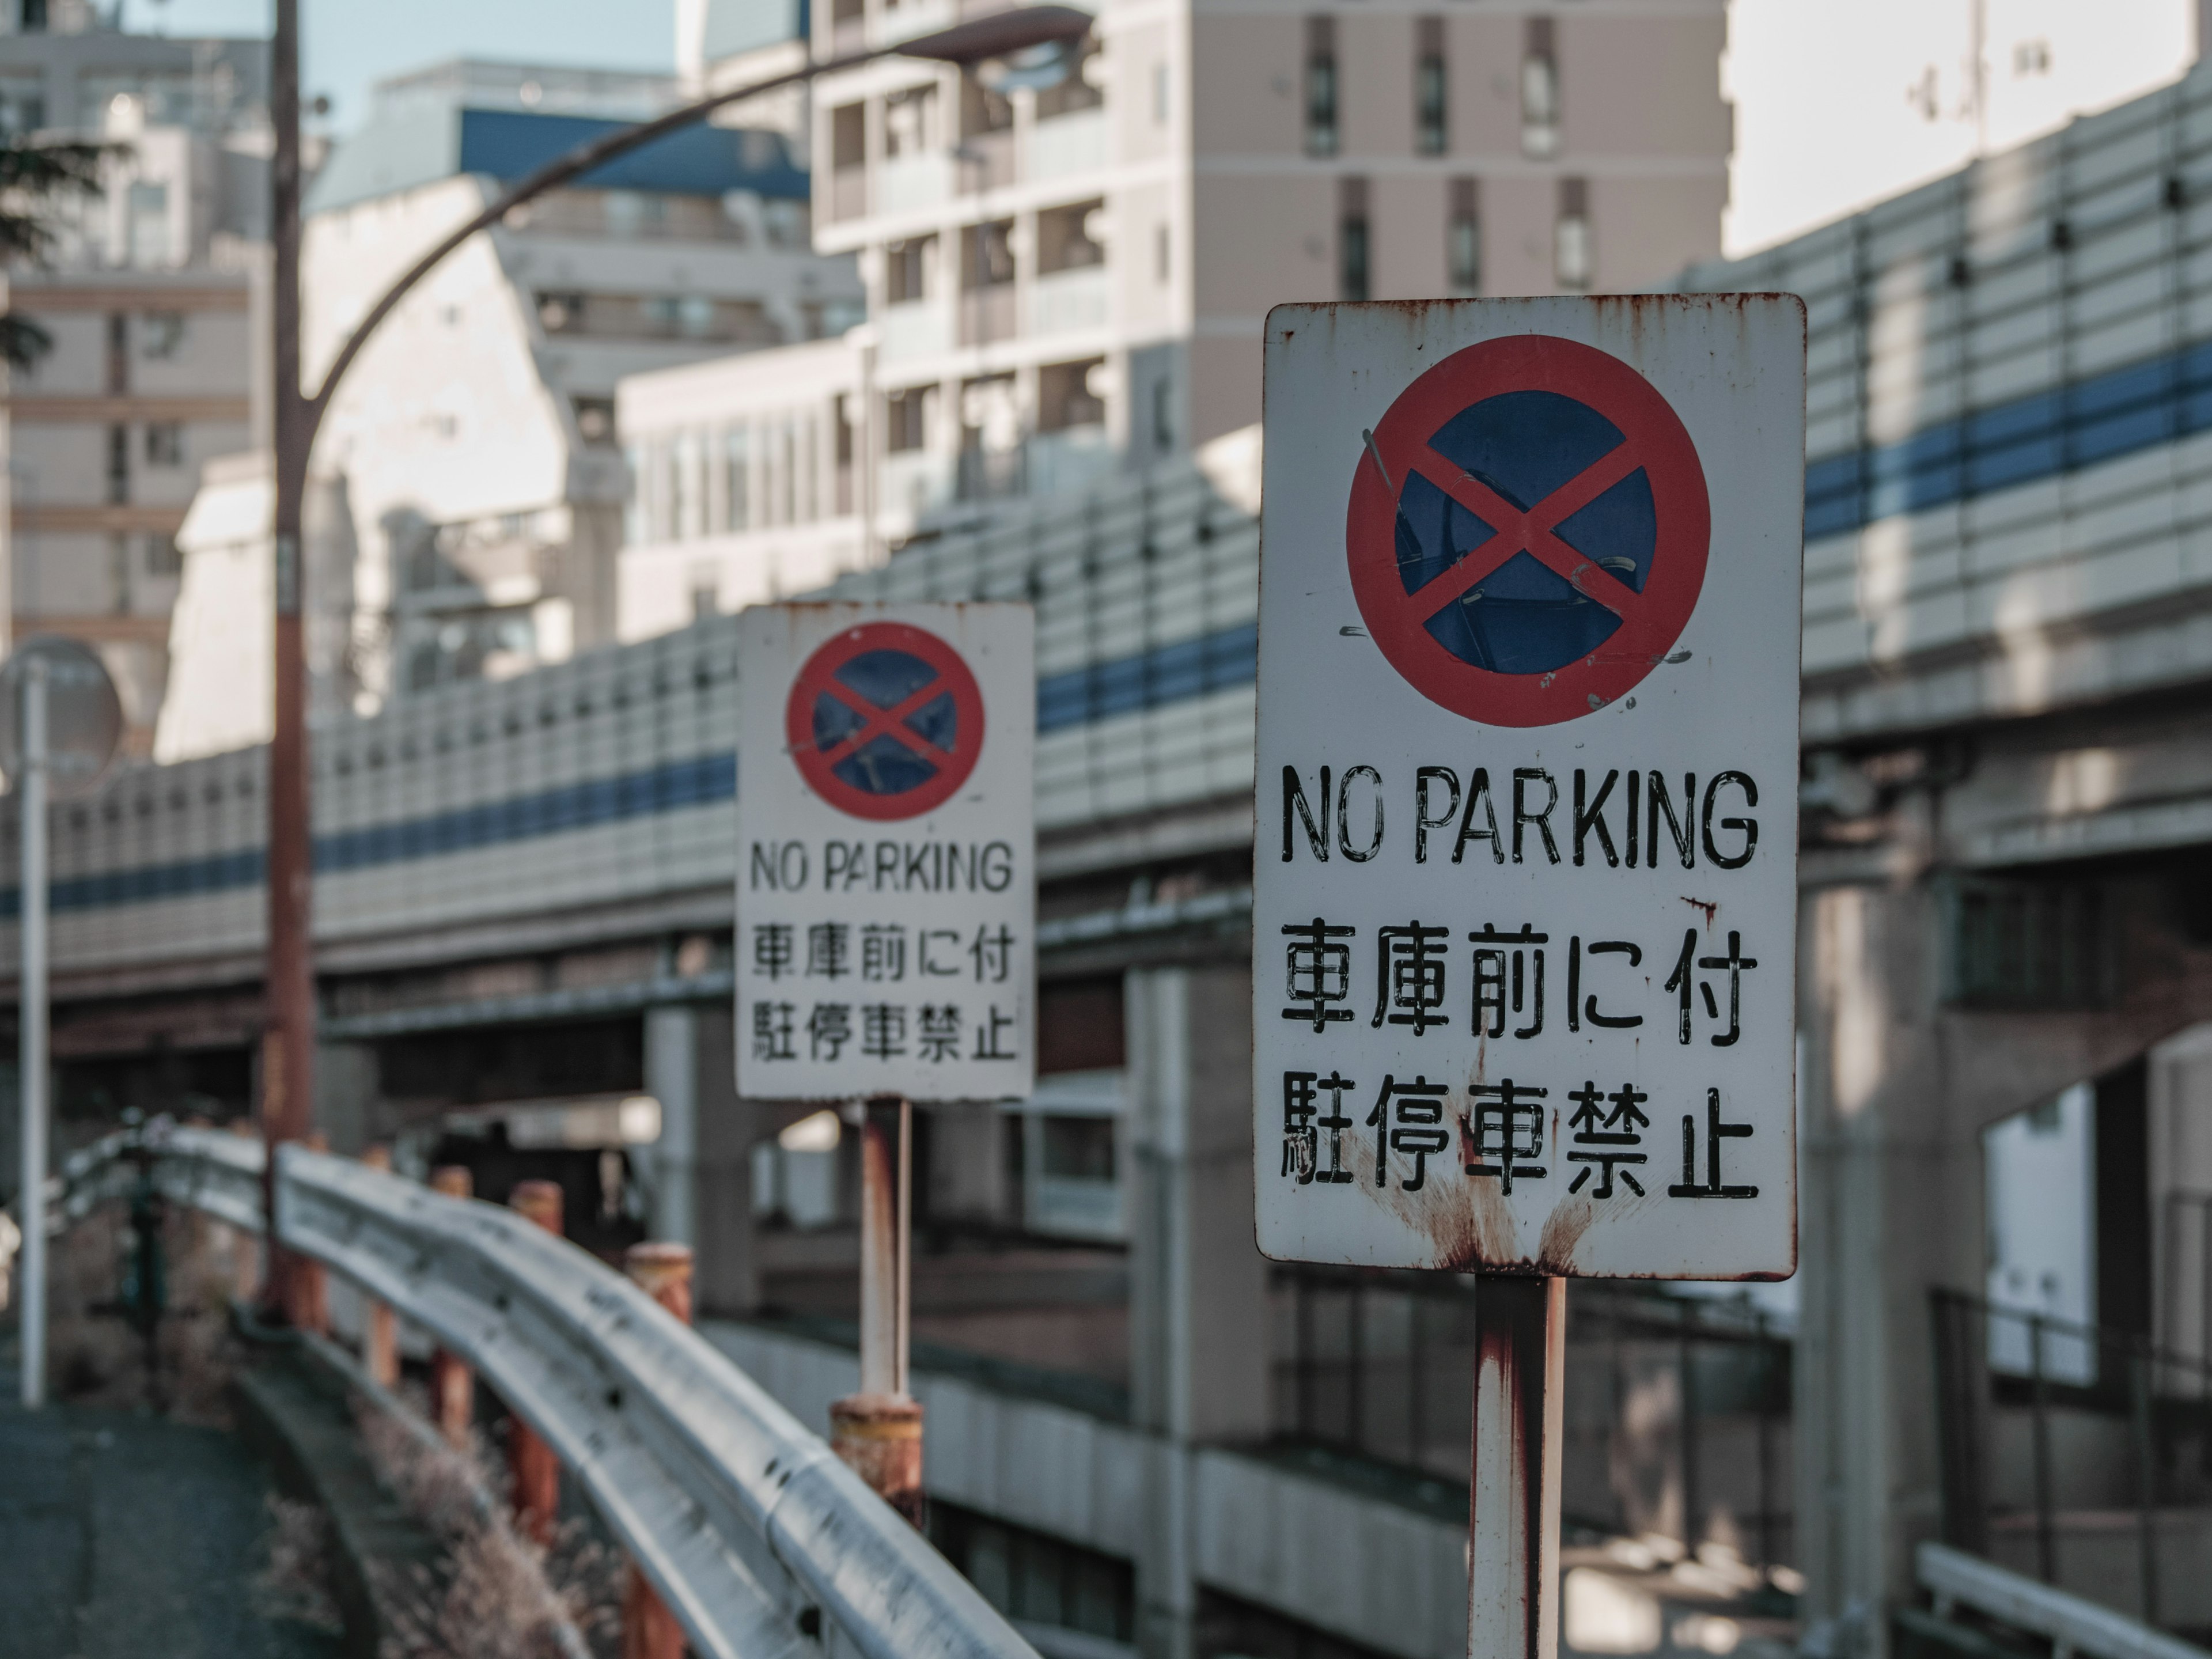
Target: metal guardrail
2071,1624
761,1543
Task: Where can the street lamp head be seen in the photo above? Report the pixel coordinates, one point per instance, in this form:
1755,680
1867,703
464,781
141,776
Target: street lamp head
1001,34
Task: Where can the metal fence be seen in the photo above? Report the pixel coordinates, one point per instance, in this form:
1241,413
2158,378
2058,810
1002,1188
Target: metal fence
2076,1453
1678,1419
757,1539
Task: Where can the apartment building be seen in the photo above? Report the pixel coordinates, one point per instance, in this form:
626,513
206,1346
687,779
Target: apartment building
147,296
1066,274
474,443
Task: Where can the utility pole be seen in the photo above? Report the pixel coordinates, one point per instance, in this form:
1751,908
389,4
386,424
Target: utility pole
288,1047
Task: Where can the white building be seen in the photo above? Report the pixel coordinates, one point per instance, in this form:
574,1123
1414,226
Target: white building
148,297
474,441
1068,279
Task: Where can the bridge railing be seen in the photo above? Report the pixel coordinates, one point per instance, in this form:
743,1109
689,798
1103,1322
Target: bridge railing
759,1541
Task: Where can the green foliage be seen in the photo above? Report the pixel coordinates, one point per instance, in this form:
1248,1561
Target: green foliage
34,176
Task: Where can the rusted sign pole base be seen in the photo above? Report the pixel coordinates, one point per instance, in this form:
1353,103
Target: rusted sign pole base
1513,1521
879,1438
877,1432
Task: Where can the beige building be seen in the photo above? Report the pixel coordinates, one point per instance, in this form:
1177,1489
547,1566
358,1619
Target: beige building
147,296
1067,279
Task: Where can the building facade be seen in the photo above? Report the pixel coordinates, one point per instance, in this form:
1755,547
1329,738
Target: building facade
149,294
1067,279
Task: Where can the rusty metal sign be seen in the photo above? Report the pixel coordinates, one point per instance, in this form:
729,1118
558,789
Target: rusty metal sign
1526,876
886,862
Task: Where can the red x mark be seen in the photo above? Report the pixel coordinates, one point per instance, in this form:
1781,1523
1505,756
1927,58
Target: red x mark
875,721
1517,532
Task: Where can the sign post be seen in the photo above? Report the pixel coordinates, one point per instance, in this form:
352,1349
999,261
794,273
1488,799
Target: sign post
1525,913
59,721
886,915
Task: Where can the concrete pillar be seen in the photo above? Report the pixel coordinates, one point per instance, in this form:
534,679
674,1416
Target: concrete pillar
1198,1314
700,1169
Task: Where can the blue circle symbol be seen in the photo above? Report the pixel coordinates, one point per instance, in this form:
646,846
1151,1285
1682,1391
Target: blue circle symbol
1525,616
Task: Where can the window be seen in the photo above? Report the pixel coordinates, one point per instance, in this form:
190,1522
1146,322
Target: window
2029,944
1078,1148
909,122
1161,268
1071,394
1463,239
595,420
848,135
162,555
165,443
788,222
1573,260
1540,90
1321,86
706,585
990,251
906,422
118,465
32,14
160,332
118,353
1431,118
1163,413
148,228
561,313
1352,240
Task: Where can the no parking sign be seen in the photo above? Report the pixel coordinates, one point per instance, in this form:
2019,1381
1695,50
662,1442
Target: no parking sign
1525,880
886,881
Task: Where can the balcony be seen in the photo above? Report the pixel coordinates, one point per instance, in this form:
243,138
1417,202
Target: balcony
1067,145
904,182
920,328
986,162
1067,301
1070,458
987,314
915,480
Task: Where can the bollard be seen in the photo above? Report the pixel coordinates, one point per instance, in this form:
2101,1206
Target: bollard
245,1247
380,1336
452,1385
308,1305
533,1473
649,1629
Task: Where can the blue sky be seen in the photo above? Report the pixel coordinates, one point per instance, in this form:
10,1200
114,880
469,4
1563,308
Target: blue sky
347,45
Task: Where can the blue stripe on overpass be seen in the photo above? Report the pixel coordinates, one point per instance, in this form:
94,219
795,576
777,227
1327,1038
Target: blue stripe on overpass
2100,417
1169,674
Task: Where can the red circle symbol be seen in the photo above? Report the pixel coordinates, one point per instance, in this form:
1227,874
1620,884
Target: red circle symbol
1528,532
885,721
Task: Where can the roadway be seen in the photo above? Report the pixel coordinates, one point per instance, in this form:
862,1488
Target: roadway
124,1535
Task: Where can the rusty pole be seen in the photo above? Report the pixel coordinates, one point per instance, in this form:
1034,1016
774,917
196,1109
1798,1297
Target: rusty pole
452,1385
380,1336
649,1629
1513,1520
878,1430
534,1473
288,1047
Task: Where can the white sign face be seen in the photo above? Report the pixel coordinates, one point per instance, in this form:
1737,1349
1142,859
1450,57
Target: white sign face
886,857
1525,915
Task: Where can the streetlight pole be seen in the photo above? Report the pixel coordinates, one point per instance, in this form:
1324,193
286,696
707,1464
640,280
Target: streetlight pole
287,1052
